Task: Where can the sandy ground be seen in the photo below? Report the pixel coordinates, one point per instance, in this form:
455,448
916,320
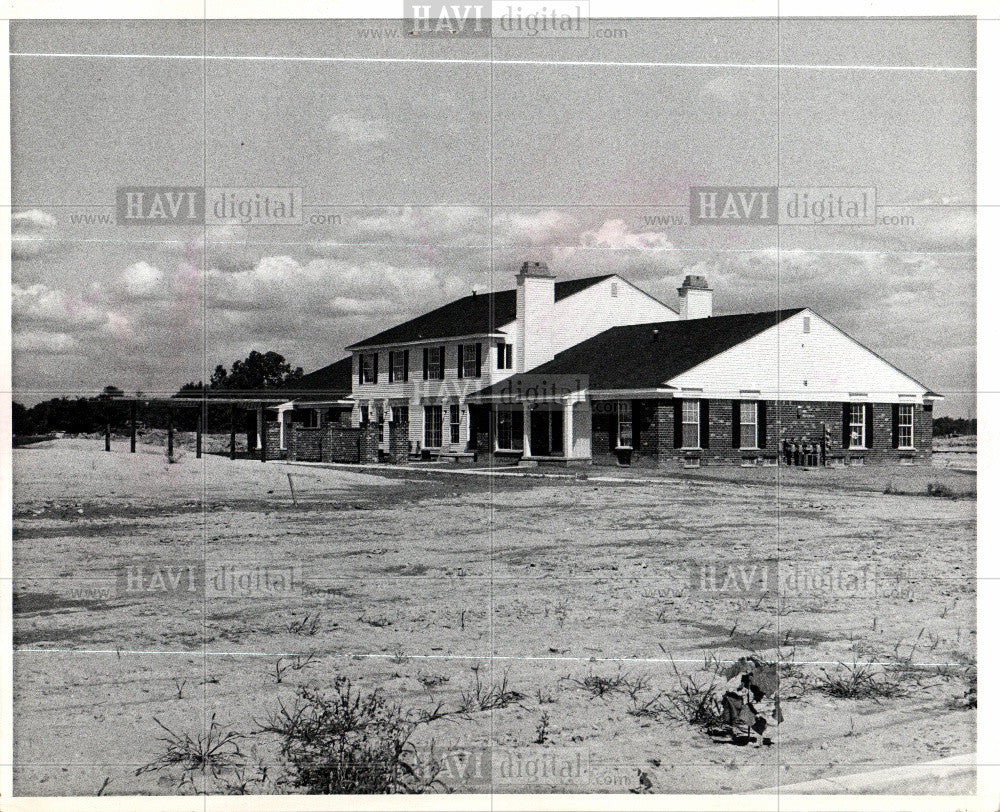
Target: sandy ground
417,582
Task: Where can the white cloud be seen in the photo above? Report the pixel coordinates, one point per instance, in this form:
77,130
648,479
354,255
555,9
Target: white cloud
45,343
142,281
41,304
536,228
32,232
616,234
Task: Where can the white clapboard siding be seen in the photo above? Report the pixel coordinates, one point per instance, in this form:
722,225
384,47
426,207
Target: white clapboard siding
593,310
788,363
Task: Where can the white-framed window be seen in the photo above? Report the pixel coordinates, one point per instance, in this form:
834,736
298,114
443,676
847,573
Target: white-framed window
434,363
399,371
856,426
455,422
401,414
624,423
748,424
368,361
364,414
432,426
505,355
468,352
510,429
691,424
905,427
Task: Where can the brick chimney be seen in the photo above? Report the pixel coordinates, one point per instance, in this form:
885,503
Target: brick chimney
536,304
695,297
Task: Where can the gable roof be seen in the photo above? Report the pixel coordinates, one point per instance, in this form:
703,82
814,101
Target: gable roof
332,380
470,315
628,358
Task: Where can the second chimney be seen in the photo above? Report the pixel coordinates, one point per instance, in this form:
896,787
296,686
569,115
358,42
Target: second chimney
536,302
695,297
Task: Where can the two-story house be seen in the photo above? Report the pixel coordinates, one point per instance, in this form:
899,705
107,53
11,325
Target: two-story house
424,370
595,369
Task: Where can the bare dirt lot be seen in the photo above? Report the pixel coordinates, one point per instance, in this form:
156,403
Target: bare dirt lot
548,626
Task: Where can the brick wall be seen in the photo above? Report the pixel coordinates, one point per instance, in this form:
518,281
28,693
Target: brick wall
399,442
305,444
273,429
349,444
653,425
368,443
341,443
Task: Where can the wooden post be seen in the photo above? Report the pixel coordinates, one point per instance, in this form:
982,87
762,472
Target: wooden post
131,415
197,440
170,434
262,428
232,432
107,431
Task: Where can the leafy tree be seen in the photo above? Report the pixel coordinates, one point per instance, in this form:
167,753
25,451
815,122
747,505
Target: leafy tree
267,370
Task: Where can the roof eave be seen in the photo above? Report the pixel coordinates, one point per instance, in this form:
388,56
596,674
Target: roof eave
364,345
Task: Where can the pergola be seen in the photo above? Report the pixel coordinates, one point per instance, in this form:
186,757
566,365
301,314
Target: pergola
251,401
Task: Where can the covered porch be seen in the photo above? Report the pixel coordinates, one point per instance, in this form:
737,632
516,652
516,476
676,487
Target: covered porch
541,427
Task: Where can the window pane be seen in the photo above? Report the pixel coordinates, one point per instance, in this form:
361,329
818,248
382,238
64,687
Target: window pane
432,426
691,412
906,426
748,412
690,436
468,360
857,425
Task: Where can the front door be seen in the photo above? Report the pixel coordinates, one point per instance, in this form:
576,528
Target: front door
547,433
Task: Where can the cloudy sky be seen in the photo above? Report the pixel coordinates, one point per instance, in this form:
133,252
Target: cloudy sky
447,170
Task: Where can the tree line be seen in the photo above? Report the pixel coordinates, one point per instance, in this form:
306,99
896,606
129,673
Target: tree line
86,415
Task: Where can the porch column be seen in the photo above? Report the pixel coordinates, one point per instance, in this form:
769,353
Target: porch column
568,429
131,417
526,426
262,433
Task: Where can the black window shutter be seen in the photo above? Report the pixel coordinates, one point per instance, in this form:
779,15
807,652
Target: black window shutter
375,369
869,426
361,367
678,424
427,352
761,424
479,360
500,355
390,366
737,428
895,425
704,423
461,357
847,425
406,365
442,364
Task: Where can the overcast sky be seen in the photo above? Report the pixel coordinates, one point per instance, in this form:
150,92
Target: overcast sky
447,175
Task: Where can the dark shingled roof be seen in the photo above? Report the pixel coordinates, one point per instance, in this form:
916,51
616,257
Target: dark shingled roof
628,357
332,381
469,315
